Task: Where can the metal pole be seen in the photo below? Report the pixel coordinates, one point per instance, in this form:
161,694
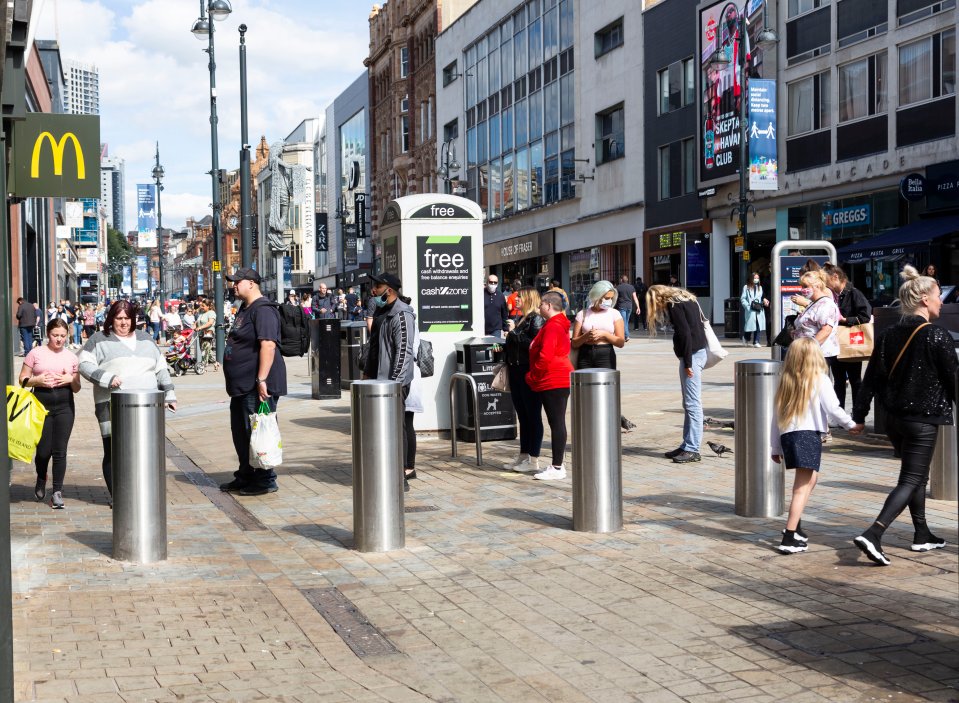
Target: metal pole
944,477
471,382
246,224
158,170
139,476
215,178
597,451
377,429
743,153
760,482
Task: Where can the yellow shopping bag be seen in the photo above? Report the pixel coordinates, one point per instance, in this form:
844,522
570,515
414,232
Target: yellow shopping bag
25,416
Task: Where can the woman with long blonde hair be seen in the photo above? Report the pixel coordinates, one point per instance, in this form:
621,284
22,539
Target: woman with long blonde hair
529,409
805,404
679,307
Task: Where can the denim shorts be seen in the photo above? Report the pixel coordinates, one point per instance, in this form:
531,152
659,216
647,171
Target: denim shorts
802,449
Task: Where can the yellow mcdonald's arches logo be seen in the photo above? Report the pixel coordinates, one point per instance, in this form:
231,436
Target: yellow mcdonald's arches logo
57,149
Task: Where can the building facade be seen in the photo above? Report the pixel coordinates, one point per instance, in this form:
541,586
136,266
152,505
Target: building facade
82,95
111,189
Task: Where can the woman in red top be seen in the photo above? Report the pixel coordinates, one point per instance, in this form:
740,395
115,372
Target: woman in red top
548,377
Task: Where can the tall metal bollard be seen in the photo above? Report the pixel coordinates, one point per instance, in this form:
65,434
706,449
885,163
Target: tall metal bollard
377,428
597,451
760,483
944,472
139,476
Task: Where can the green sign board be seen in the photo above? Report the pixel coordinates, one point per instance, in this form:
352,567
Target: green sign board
56,156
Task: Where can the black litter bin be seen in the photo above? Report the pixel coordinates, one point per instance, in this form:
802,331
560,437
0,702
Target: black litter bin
353,335
325,358
476,357
732,314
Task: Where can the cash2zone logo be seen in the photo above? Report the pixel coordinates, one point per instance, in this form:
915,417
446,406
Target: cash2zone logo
445,290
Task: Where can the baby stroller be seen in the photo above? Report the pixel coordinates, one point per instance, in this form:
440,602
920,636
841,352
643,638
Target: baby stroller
182,355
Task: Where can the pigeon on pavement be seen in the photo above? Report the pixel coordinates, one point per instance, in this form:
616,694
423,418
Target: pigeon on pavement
720,449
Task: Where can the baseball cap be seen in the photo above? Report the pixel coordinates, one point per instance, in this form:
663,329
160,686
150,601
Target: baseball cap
244,274
387,278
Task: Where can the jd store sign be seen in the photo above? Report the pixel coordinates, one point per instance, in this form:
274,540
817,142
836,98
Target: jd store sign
56,156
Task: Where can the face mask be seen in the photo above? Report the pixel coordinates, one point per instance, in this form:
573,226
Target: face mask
491,287
606,303
380,300
755,281
806,292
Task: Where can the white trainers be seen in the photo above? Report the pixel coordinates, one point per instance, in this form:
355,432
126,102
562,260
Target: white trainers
519,459
530,465
551,473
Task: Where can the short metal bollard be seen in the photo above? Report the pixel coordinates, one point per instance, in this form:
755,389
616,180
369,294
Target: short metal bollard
944,472
471,382
139,476
597,451
377,428
760,482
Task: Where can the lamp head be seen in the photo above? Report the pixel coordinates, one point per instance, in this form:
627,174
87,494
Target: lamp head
158,172
443,171
201,28
220,9
767,38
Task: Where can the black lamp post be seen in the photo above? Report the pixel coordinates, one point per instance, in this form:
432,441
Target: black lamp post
158,180
448,163
246,223
211,10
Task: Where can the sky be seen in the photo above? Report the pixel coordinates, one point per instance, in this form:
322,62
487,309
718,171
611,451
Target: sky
154,80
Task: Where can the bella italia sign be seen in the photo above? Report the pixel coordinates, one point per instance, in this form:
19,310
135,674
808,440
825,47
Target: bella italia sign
56,156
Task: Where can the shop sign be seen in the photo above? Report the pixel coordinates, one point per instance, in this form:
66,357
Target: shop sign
913,187
594,258
855,216
443,285
668,240
662,260
529,246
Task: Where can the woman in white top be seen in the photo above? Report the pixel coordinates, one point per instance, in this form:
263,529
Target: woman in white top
598,329
805,404
821,319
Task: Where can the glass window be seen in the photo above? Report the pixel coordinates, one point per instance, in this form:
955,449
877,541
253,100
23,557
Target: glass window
520,123
404,62
451,130
663,170
608,38
536,115
496,188
449,74
536,174
494,66
552,144
507,116
482,142
662,82
520,57
536,43
689,166
689,71
921,75
552,179
494,136
483,196
610,140
798,7
506,62
567,183
471,147
862,88
809,105
482,79
522,179
551,106
566,101
565,24
550,34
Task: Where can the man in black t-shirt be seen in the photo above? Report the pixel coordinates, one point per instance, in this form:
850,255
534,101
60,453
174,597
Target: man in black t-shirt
625,301
254,372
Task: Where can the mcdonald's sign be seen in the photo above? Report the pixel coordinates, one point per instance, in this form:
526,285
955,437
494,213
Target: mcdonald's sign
56,156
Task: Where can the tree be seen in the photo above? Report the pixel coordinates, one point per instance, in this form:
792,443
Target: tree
119,254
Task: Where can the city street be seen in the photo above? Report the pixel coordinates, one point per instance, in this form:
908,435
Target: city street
495,598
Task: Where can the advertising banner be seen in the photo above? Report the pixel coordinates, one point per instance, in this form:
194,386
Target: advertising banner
763,166
322,233
146,215
126,288
359,214
186,286
199,283
349,245
720,91
445,296
287,272
697,263
142,278
789,267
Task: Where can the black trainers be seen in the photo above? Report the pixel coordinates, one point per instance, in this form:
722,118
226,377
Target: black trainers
791,545
800,534
40,490
234,486
870,546
927,542
686,457
259,489
673,454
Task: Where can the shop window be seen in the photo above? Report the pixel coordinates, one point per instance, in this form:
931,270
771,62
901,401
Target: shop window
927,68
610,137
608,38
808,104
909,11
862,88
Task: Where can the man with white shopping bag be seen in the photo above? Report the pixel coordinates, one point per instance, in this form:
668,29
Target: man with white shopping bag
255,373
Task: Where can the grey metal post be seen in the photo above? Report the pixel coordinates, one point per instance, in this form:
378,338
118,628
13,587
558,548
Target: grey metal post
597,451
246,224
139,476
944,473
377,429
760,482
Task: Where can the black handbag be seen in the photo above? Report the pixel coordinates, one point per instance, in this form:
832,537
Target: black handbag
756,305
785,337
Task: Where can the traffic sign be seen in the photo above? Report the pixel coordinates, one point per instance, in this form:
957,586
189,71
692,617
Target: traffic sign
216,265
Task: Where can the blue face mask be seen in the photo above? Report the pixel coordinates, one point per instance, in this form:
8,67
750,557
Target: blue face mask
380,300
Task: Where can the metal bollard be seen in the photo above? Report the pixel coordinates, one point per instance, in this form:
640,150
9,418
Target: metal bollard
377,428
760,482
944,472
139,476
597,451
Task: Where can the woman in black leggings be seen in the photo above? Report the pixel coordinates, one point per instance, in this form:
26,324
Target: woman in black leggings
53,372
912,374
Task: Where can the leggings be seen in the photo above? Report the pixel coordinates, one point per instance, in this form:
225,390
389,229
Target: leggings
57,427
841,371
529,411
554,403
107,464
915,441
409,441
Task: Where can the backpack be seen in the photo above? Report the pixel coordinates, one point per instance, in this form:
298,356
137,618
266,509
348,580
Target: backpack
294,331
424,358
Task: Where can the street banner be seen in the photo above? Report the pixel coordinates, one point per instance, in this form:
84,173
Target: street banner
199,283
322,233
287,273
444,285
142,278
359,214
127,286
146,215
56,156
349,246
763,166
186,286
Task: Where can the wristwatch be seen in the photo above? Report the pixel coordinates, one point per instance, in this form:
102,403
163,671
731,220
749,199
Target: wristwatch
260,380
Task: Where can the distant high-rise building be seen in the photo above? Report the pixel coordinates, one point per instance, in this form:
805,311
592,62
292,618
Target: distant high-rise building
82,95
111,189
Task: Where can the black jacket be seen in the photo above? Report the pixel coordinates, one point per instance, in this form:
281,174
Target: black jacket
688,333
922,386
496,311
854,306
519,339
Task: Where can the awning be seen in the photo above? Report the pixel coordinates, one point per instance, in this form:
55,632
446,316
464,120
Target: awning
901,240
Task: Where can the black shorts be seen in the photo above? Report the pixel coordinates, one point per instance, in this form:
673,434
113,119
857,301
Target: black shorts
802,449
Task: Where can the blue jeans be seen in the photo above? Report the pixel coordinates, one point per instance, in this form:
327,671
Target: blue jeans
693,402
26,338
241,407
78,333
626,315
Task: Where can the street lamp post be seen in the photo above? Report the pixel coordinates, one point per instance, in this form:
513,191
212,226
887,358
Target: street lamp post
158,180
211,10
246,224
448,163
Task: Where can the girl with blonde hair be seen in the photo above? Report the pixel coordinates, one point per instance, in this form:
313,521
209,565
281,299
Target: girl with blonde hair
680,308
527,404
805,404
912,373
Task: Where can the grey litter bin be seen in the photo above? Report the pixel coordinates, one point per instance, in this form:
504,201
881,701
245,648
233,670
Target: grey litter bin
732,311
353,335
760,482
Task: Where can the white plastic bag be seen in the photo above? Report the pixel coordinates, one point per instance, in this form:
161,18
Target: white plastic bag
266,445
714,350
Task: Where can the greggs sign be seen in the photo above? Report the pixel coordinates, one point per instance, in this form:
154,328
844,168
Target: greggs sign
56,156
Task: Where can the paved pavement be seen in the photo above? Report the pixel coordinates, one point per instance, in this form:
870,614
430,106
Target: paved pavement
495,598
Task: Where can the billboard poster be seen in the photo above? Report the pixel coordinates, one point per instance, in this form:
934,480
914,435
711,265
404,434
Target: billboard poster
146,215
720,90
789,267
142,279
199,283
445,294
763,166
126,288
697,263
287,272
186,286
